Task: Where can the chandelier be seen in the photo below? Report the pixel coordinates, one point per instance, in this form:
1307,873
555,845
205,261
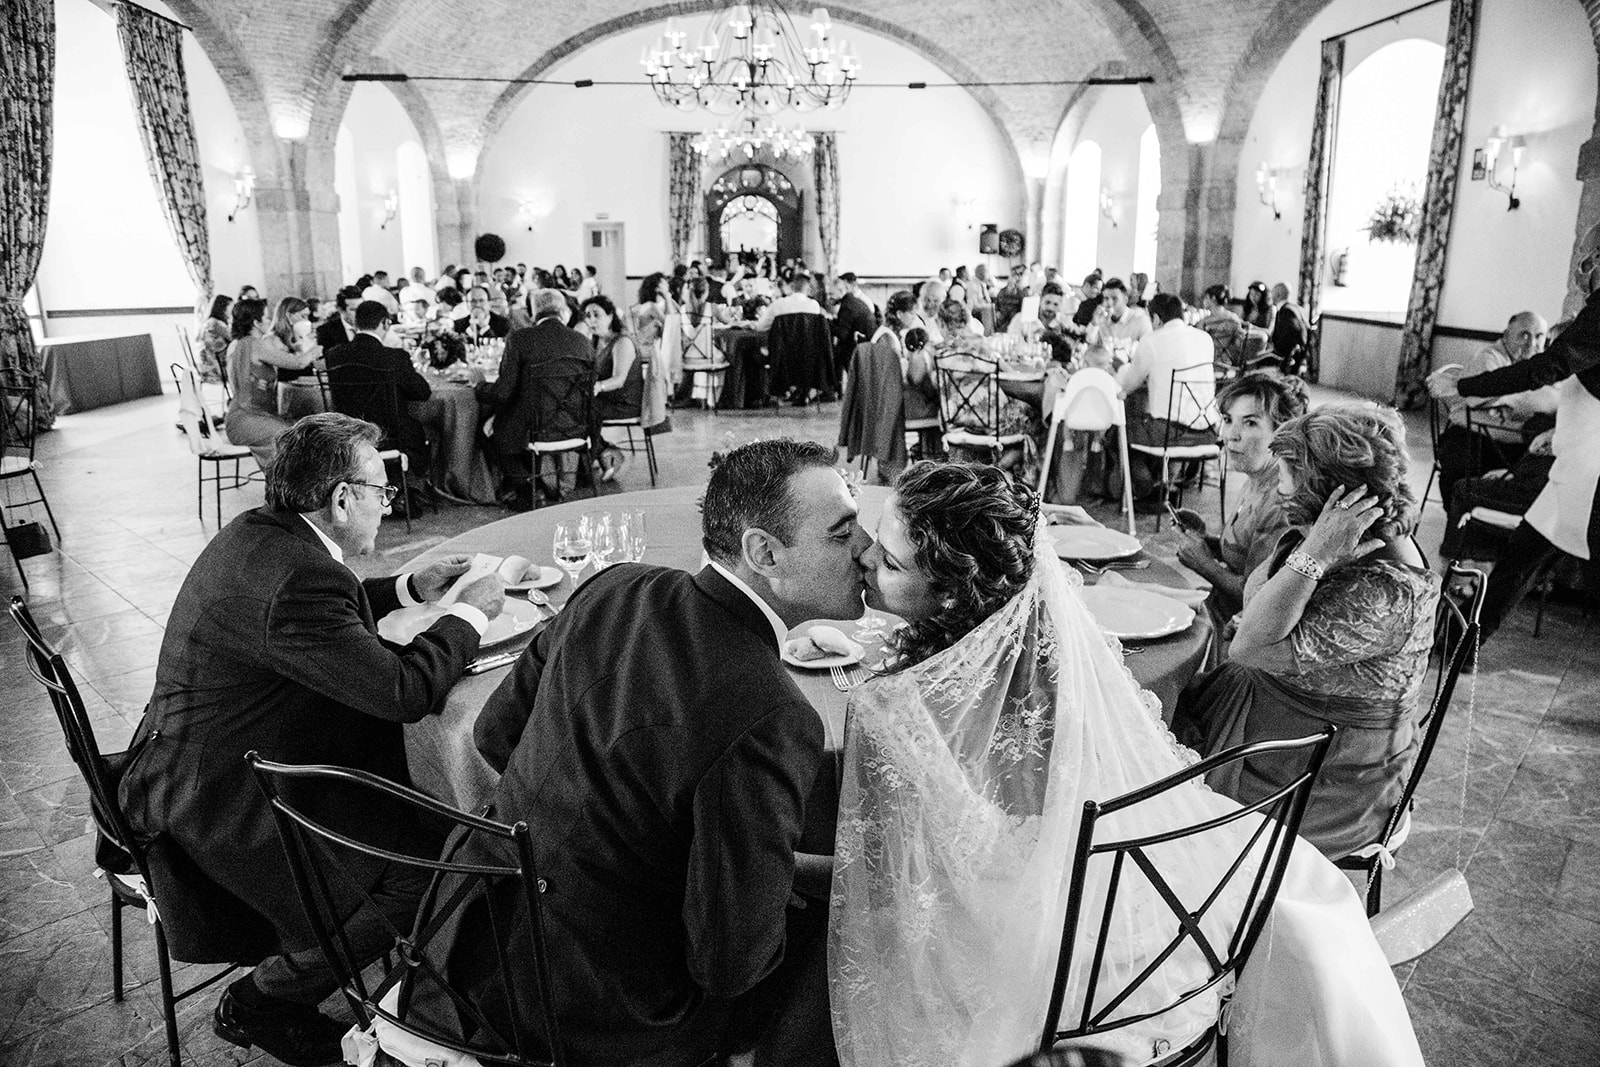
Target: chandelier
751,57
750,134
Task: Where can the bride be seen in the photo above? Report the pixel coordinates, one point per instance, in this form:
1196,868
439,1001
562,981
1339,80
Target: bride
967,765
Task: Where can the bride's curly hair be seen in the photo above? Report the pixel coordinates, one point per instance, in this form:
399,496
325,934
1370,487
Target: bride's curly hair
971,528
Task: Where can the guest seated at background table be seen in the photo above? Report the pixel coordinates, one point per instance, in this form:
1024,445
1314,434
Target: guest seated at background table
1257,306
271,647
340,328
957,293
1252,407
253,363
1050,324
796,300
930,297
662,756
1018,414
854,320
967,765
1336,628
211,342
480,323
367,357
291,334
1147,381
619,377
1090,296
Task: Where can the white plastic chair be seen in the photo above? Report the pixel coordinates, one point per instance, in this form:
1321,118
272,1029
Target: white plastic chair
1092,402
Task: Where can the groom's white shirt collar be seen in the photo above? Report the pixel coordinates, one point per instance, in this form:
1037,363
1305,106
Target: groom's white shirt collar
779,630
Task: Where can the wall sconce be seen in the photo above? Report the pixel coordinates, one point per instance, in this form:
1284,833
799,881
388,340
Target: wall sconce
1493,145
391,207
525,209
244,187
1267,187
1109,208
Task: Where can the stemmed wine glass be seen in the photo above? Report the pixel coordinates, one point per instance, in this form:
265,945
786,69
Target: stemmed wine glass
571,549
608,543
632,533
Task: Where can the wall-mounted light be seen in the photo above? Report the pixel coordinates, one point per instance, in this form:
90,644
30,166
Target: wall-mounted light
1493,147
525,209
391,207
1267,187
1109,208
244,188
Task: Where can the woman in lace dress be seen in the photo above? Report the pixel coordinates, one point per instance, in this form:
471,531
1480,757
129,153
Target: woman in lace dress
966,767
1334,629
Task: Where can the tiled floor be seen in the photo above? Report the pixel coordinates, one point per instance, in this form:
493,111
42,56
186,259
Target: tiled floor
1517,983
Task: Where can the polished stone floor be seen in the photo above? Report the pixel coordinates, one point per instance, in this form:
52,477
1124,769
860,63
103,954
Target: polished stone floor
1518,809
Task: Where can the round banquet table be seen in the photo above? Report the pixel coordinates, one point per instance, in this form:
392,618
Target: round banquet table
459,467
445,762
741,383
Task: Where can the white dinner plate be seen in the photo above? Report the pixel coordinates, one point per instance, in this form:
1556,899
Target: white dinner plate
1092,542
844,659
515,619
1129,614
546,577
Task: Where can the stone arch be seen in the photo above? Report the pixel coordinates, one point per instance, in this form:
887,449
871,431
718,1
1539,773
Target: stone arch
245,90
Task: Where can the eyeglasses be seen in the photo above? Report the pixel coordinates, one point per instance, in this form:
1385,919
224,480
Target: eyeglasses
389,491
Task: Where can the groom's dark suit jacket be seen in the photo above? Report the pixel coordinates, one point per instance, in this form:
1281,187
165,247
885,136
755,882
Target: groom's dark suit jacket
662,756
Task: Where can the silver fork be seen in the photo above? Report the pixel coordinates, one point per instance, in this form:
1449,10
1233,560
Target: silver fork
1114,565
841,681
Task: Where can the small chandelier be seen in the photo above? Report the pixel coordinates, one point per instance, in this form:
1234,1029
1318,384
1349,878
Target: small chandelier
752,58
749,135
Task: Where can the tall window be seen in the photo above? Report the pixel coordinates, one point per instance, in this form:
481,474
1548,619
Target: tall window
1081,247
1146,219
344,183
414,183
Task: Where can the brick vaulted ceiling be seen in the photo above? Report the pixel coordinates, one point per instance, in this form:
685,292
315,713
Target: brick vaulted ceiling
1208,57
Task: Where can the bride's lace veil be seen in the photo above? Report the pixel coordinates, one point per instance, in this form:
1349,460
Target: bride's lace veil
965,780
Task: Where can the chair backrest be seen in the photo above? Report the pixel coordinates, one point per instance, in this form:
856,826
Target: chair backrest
200,427
1091,401
800,334
563,398
364,393
321,860
969,394
1257,868
19,414
50,670
186,346
696,338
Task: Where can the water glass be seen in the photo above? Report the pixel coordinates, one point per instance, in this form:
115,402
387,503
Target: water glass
571,549
632,533
608,544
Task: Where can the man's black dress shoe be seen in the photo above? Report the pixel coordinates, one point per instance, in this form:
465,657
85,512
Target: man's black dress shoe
297,1034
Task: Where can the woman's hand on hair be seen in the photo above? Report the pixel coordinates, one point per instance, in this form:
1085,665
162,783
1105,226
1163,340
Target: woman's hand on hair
1336,537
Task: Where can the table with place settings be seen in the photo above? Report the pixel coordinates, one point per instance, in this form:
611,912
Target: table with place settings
445,762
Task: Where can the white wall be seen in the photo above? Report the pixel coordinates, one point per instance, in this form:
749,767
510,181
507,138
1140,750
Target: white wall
1534,72
1117,118
906,159
377,126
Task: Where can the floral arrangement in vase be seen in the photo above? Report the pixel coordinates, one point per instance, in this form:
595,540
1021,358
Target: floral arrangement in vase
1397,219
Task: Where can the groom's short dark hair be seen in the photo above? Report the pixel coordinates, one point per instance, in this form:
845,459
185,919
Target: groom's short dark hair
750,488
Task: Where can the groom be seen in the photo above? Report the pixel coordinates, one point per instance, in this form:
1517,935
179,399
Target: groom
661,755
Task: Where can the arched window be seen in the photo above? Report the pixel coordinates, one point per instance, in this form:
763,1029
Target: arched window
414,183
1146,218
1081,247
351,256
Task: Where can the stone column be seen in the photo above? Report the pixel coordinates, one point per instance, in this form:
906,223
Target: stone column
1033,231
1194,246
299,230
1587,231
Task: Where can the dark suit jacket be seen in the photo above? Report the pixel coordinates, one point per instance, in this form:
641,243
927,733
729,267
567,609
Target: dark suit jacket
662,757
499,325
513,395
853,324
401,428
1290,335
333,333
271,646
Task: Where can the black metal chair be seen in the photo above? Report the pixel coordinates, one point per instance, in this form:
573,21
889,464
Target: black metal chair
1182,396
1438,416
1455,644
120,858
403,1007
363,393
1269,846
633,422
19,426
969,405
561,421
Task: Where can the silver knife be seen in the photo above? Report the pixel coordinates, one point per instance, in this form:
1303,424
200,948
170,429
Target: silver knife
489,663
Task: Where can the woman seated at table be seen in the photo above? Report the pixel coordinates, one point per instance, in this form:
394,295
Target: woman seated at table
1252,407
1336,628
254,359
211,342
618,377
958,293
966,769
900,323
292,334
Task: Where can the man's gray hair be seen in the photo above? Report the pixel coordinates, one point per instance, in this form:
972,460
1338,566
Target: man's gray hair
549,302
314,456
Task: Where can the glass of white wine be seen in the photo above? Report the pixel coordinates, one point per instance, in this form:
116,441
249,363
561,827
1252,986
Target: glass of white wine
571,549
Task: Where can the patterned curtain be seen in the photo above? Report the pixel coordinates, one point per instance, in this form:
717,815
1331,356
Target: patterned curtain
826,162
683,194
152,49
1319,171
1438,205
27,83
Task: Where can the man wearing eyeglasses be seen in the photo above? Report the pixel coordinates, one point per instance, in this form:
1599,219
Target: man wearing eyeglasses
272,646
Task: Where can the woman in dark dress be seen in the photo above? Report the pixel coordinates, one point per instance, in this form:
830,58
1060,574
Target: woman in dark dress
618,377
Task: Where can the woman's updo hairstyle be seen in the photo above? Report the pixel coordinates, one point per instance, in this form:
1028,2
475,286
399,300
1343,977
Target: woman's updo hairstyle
1348,445
971,528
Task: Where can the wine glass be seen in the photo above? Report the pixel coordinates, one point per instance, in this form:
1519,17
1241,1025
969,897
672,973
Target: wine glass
571,549
607,542
632,531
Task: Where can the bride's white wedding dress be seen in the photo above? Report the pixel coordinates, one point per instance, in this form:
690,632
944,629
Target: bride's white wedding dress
964,782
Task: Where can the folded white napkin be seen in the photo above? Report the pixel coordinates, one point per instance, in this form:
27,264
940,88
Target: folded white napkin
511,569
1192,597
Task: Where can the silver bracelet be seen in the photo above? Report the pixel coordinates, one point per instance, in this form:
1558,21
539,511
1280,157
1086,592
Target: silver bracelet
1301,563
